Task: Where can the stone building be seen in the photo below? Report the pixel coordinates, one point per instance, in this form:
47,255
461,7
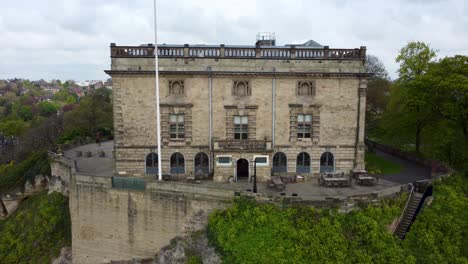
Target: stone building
296,109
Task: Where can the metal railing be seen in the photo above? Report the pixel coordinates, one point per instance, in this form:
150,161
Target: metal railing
404,210
128,183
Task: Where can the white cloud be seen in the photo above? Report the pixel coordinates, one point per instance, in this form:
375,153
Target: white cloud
70,39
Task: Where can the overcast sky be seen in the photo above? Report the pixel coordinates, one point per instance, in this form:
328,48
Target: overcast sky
69,39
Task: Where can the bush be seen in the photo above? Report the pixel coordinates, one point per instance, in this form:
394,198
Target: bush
37,231
251,233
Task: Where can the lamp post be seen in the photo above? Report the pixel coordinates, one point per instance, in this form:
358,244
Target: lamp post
255,175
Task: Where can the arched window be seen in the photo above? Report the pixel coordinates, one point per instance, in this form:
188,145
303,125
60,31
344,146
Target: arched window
177,163
280,163
201,163
152,163
327,162
303,163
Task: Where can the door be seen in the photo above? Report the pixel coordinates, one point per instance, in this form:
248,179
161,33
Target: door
242,169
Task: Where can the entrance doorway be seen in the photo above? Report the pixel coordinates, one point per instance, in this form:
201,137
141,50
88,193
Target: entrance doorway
242,169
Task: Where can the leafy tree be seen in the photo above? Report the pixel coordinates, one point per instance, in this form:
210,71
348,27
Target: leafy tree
26,112
408,109
47,108
93,114
378,91
13,127
414,59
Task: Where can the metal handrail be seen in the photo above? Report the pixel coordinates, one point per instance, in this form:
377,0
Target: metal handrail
404,209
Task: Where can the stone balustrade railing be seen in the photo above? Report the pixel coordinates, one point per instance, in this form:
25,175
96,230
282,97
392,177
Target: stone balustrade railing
222,51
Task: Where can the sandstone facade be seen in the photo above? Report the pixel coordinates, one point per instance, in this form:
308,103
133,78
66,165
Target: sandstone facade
293,100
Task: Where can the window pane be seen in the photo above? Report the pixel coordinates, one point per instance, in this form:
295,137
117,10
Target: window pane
245,120
237,136
300,135
308,118
173,128
237,120
261,160
300,118
244,135
307,135
173,118
224,160
181,118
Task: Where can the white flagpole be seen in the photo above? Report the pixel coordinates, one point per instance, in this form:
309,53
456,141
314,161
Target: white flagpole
158,113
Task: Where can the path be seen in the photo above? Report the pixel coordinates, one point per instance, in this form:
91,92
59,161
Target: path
410,172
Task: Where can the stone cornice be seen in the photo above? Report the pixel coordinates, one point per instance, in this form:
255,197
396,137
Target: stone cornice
246,73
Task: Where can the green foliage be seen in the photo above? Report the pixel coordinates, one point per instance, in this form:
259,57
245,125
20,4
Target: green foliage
194,260
26,113
378,165
251,233
440,233
92,115
427,111
37,231
47,108
414,59
13,127
14,176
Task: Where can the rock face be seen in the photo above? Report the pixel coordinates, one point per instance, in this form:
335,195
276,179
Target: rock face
192,244
183,249
65,256
57,184
39,184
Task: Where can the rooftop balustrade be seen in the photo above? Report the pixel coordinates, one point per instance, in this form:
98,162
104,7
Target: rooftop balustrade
239,52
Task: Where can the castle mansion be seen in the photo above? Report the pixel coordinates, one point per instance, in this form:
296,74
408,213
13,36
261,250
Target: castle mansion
294,109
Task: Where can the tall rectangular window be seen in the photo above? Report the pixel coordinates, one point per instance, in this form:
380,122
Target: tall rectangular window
241,127
304,126
177,126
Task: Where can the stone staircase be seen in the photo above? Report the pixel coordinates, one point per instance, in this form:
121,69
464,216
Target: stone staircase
408,215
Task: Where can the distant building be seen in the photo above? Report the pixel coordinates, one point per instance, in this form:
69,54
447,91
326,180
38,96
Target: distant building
295,109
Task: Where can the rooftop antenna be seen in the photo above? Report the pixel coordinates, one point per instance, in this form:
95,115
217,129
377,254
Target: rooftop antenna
158,113
266,39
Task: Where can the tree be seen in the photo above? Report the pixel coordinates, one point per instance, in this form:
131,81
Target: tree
94,113
378,91
26,113
446,83
414,60
47,108
13,128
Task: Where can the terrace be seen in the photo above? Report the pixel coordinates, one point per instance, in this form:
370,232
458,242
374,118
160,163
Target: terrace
309,190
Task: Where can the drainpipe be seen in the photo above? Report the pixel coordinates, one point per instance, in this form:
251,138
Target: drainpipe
273,93
210,92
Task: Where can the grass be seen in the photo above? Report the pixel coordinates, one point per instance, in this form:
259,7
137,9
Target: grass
378,165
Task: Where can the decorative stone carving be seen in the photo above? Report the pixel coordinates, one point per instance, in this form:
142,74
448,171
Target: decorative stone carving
305,88
176,87
241,88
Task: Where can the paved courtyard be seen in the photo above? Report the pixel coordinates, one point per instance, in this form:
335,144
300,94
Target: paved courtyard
104,166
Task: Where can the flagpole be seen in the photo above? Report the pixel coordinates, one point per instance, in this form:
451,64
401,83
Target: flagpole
158,113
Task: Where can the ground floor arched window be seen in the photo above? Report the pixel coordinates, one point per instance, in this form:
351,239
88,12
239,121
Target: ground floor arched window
201,163
152,163
327,162
303,163
280,163
177,163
